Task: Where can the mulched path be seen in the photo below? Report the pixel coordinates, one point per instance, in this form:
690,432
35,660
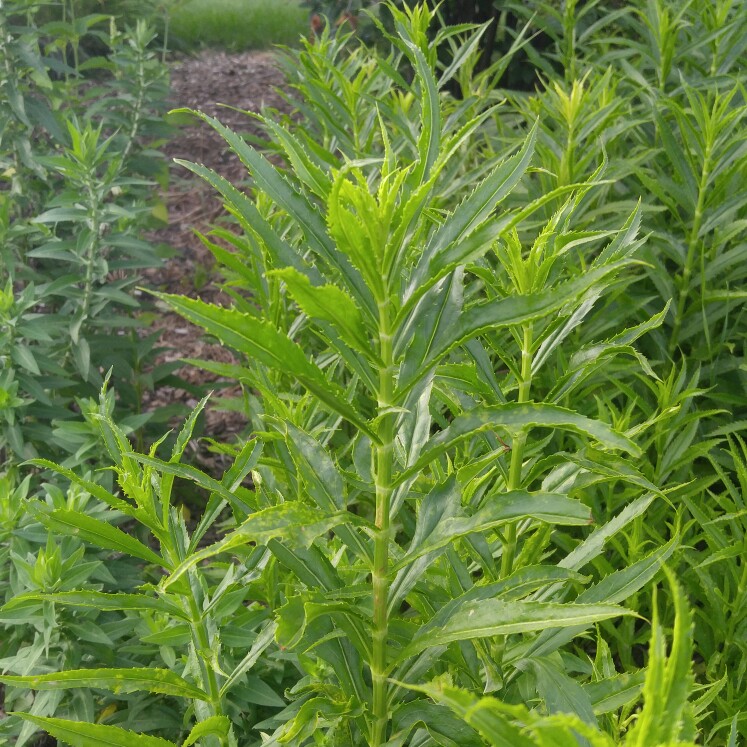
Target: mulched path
209,82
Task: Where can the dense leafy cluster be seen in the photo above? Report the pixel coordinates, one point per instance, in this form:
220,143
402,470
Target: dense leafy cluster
79,169
492,351
78,174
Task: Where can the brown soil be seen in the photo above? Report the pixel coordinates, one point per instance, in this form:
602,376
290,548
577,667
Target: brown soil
210,82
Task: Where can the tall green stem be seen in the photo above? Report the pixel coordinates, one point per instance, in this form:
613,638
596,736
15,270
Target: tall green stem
517,448
692,245
92,249
384,463
191,604
201,642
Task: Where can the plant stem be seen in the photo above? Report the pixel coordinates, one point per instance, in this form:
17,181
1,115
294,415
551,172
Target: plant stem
138,108
92,249
201,642
692,245
517,449
380,576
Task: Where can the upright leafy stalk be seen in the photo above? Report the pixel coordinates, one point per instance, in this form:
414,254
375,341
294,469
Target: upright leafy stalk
693,239
517,448
201,642
384,465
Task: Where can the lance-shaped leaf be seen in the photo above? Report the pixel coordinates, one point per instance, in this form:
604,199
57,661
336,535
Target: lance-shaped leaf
187,472
331,304
517,586
251,219
612,589
293,522
429,141
430,324
517,504
304,167
476,208
442,503
324,484
513,417
101,601
298,207
492,617
510,311
96,532
488,716
80,734
261,642
262,341
129,680
218,726
89,486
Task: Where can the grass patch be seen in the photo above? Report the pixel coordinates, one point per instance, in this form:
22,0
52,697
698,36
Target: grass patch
237,25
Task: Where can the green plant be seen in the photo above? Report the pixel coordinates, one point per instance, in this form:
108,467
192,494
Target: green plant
663,720
404,499
80,189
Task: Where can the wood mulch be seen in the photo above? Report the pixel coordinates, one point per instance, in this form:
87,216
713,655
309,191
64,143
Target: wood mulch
224,86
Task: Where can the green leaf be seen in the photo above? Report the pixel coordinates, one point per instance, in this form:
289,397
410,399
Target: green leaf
269,179
187,472
513,417
91,487
80,734
613,588
251,219
561,693
214,725
514,310
501,508
101,601
261,642
329,303
486,715
303,166
669,679
478,206
429,141
129,680
614,692
294,522
323,483
98,533
261,341
490,617
593,546
429,325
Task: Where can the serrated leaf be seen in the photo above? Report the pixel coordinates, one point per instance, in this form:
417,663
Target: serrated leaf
477,207
513,417
80,734
100,600
294,522
93,488
262,341
268,178
329,303
129,680
518,504
98,533
490,617
213,725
